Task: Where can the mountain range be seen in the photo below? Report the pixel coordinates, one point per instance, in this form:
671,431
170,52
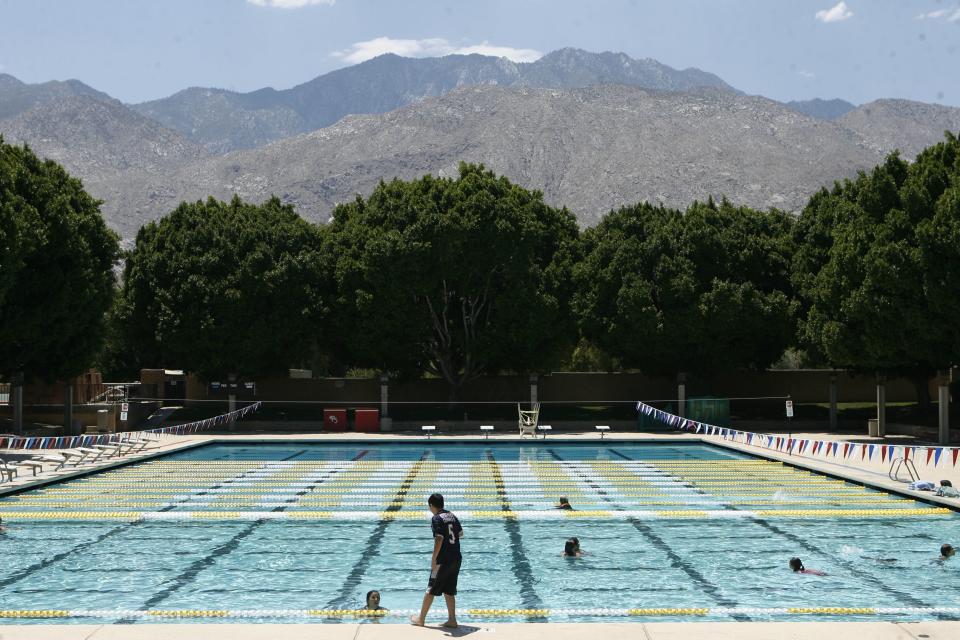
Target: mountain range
223,121
592,131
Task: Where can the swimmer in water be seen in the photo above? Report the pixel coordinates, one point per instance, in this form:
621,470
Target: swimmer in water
571,549
373,601
796,565
946,552
564,504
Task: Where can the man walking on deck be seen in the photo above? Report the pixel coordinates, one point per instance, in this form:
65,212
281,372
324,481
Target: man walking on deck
444,563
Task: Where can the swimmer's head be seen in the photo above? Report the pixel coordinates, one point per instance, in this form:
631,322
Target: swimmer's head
947,550
563,500
571,547
435,502
373,599
796,564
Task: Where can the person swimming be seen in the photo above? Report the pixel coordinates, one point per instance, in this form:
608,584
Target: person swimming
946,552
373,601
571,548
564,504
796,565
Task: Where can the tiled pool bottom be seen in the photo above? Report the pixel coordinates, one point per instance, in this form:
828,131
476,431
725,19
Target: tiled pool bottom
346,520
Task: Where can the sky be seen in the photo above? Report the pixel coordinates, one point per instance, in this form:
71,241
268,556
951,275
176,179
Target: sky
137,50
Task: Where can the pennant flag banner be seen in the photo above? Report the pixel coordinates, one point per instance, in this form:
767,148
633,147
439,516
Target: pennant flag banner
789,445
72,442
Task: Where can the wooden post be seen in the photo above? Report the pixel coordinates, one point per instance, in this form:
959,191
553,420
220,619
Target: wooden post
682,395
881,406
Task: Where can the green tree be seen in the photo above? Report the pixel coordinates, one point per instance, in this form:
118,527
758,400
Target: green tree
56,268
699,292
456,277
877,267
223,288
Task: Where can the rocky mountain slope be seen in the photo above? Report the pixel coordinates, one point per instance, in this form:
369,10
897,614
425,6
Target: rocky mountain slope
902,124
17,97
591,149
223,121
822,109
98,138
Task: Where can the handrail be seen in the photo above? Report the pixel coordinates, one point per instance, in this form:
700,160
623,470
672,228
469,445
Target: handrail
907,464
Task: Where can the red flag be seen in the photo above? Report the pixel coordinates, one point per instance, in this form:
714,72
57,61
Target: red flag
906,453
846,449
955,452
863,453
929,454
883,453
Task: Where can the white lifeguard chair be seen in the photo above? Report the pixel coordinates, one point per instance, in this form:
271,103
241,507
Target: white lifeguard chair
528,420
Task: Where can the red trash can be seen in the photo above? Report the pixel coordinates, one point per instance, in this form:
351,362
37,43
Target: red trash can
335,420
367,420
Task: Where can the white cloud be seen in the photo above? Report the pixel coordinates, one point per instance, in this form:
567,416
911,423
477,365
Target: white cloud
289,4
429,47
837,13
486,49
933,15
951,15
806,74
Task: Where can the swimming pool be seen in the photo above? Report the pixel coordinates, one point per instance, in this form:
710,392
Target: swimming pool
298,532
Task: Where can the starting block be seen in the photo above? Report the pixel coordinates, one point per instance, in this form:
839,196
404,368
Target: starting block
544,429
486,428
428,429
602,428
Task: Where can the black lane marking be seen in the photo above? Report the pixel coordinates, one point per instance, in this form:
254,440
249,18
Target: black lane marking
518,557
849,566
372,548
193,570
675,559
46,562
220,485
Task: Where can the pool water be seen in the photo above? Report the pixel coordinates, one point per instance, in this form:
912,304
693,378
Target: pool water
299,532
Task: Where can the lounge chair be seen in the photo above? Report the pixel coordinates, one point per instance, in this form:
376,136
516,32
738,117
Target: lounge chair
138,444
110,450
35,467
53,458
7,470
93,455
78,456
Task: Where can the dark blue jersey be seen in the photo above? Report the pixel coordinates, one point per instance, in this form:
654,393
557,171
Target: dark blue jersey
445,524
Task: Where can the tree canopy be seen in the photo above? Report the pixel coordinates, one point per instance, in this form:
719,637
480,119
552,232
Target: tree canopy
702,291
56,268
878,266
457,277
223,288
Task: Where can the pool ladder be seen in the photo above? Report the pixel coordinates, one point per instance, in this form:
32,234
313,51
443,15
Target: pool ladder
906,463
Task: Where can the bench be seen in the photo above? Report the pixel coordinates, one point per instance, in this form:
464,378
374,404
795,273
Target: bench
428,429
602,428
544,429
486,429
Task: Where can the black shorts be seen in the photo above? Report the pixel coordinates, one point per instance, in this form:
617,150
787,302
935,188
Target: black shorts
446,580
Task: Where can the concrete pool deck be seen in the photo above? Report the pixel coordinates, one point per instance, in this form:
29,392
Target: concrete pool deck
872,474
558,631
